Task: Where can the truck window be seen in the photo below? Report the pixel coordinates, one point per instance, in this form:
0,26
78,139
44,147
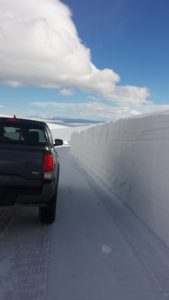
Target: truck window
22,133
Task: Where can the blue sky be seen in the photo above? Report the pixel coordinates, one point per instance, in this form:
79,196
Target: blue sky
130,36
126,38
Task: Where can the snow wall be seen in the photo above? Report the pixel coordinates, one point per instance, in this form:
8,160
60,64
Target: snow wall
132,158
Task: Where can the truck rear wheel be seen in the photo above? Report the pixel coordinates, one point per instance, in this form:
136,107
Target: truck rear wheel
47,213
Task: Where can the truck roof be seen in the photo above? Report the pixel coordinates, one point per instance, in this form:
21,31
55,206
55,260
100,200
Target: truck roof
24,121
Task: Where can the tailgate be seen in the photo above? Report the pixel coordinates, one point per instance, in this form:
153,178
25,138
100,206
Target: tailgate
20,165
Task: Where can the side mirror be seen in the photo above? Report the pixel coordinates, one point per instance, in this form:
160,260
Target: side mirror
58,142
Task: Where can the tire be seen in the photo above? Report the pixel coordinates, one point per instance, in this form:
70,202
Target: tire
47,214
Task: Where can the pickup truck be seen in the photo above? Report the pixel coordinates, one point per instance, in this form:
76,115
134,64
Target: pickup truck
29,166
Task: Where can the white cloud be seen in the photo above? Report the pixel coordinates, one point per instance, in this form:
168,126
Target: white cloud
97,110
67,92
87,110
128,94
40,46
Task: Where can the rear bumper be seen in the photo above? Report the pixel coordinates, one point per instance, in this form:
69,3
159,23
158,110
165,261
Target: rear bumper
29,195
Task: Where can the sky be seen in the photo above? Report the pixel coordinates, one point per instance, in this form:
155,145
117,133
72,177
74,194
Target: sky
100,60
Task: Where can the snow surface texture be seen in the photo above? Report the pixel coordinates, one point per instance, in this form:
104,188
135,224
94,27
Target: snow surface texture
132,158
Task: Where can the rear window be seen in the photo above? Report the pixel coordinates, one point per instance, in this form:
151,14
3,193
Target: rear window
22,133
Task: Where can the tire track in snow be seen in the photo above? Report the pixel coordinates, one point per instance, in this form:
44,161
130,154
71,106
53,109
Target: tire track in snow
6,216
24,255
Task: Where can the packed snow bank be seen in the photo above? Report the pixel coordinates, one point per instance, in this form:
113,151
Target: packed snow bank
132,158
60,132
64,132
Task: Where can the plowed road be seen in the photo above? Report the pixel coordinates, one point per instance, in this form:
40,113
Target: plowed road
96,250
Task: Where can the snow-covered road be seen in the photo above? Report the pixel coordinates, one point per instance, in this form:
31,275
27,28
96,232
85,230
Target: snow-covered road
96,250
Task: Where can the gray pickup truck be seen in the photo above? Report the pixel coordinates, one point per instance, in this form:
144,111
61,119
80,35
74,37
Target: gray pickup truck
29,167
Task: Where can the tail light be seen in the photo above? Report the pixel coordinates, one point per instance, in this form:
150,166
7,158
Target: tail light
48,166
